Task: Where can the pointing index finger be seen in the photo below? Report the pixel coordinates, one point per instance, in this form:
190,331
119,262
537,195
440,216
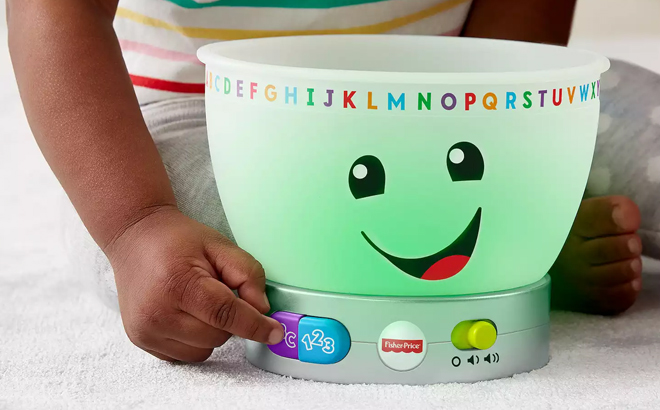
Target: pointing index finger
210,301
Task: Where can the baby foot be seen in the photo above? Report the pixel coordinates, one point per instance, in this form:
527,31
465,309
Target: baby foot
599,268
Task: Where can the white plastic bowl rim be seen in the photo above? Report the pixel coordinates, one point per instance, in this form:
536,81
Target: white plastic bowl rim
219,55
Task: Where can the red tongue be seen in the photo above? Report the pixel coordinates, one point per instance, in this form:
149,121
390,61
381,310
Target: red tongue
446,267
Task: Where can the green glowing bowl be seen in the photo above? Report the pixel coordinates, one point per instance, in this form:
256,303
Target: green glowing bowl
401,165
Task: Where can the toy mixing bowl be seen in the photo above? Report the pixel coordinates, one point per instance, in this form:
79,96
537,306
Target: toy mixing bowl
401,165
406,196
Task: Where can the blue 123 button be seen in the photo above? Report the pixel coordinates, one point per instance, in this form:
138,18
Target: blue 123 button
320,340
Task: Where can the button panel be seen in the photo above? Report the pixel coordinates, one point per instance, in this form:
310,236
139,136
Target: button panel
311,339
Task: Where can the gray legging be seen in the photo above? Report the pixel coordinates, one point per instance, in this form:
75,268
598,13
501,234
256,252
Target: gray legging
627,162
627,158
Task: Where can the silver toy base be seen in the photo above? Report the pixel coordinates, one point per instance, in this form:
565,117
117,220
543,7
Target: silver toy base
520,315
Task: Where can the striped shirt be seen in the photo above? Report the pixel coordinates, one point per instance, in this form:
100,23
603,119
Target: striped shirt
159,38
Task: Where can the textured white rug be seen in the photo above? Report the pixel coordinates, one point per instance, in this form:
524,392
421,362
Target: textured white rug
60,348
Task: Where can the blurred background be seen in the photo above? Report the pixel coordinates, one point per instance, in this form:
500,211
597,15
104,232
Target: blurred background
624,29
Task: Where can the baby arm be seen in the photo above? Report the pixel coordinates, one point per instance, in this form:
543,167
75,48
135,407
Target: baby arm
174,276
536,21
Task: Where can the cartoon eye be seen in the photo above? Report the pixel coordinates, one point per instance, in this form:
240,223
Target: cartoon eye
465,163
366,177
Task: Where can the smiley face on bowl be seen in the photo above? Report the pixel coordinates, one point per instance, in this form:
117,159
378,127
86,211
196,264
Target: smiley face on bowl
464,163
399,206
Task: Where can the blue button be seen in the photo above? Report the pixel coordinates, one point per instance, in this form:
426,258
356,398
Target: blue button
322,341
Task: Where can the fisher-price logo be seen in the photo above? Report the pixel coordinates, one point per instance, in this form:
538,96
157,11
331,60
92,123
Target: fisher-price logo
405,346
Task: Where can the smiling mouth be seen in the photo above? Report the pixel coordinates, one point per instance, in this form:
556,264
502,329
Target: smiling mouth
443,264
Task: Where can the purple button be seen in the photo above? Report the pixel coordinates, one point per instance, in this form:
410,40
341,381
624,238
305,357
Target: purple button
288,347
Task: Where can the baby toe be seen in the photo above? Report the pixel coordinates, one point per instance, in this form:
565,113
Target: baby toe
611,249
605,216
613,300
613,274
626,214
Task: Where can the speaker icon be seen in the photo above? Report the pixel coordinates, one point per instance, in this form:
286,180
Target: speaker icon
494,358
473,360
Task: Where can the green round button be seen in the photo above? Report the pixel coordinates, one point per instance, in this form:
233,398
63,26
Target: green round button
482,335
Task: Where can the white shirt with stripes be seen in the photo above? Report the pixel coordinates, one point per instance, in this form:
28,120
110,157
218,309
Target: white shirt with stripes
159,38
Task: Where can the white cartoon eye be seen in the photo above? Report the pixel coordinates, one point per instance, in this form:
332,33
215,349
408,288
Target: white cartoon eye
360,171
456,156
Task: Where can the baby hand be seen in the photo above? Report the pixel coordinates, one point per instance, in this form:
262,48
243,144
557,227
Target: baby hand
175,278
